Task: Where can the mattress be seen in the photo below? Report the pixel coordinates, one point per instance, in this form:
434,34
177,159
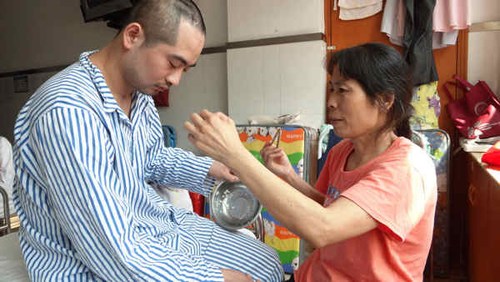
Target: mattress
12,266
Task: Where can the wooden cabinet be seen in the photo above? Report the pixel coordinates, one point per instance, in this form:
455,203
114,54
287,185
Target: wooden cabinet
484,221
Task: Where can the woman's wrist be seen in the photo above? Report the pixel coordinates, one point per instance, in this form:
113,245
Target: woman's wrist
291,177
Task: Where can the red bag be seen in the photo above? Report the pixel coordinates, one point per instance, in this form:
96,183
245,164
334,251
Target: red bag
477,113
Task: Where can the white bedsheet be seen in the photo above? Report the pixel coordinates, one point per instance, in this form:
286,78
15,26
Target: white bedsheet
12,268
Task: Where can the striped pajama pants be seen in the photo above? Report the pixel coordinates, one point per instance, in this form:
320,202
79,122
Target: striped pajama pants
231,250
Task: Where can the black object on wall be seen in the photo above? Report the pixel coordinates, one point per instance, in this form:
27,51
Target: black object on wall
105,10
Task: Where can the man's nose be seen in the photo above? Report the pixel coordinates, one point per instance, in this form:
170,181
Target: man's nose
174,78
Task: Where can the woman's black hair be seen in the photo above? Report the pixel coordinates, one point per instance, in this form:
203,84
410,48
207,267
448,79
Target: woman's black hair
382,72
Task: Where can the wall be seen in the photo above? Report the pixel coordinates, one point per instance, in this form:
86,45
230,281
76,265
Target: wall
276,79
258,19
45,33
484,58
37,34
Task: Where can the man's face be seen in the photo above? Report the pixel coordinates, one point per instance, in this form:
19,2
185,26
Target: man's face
154,68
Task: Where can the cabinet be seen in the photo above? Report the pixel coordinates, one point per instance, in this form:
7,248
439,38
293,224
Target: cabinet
484,220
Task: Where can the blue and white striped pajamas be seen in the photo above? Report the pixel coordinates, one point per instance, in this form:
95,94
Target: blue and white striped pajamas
86,211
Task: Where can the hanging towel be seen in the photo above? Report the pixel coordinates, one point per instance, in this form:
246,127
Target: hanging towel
358,9
444,39
393,21
447,19
451,15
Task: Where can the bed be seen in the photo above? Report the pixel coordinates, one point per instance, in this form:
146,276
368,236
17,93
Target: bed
12,268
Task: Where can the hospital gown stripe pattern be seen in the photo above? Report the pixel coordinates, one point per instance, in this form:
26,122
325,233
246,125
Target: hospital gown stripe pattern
83,199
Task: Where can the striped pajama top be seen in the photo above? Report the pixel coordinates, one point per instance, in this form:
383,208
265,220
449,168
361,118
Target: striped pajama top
86,211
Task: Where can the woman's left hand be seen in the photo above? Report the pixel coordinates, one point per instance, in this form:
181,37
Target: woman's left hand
215,134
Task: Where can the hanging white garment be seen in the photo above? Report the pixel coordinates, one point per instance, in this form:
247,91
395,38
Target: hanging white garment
444,39
358,9
448,17
393,21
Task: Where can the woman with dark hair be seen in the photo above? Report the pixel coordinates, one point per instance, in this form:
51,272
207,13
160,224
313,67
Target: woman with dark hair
371,215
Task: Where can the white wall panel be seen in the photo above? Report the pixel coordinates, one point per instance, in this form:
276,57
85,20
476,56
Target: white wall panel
256,19
484,58
278,79
483,63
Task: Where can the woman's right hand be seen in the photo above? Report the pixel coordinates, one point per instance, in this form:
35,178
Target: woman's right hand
276,160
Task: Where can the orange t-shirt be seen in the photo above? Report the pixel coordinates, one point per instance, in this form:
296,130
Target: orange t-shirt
398,189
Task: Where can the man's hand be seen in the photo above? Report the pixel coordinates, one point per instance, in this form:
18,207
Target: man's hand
222,172
236,276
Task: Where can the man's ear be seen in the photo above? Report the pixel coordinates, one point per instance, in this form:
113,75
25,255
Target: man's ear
132,35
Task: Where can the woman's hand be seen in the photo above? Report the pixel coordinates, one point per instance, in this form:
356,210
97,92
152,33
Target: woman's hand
215,134
276,160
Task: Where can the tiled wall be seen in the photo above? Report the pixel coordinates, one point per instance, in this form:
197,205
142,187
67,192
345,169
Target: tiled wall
273,80
278,79
258,19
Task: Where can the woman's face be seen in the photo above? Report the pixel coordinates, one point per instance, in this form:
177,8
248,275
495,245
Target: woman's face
350,110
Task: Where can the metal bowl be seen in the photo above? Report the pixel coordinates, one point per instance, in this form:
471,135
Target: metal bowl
233,206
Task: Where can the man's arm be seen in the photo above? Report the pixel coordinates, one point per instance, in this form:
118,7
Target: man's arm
174,167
